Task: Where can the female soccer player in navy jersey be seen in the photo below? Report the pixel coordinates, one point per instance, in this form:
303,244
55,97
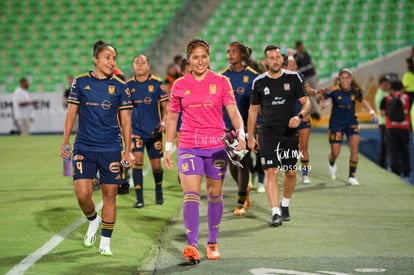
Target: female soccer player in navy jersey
343,120
150,99
201,96
241,77
100,97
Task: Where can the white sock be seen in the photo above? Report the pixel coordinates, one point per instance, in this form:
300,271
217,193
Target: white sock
105,242
275,210
285,202
93,225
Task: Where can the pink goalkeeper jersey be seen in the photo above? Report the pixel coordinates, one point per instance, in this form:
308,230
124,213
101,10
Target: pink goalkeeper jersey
201,104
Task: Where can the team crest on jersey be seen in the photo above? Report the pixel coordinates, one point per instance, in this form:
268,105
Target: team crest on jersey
245,78
212,88
266,91
87,87
286,86
150,88
187,92
339,97
111,89
184,167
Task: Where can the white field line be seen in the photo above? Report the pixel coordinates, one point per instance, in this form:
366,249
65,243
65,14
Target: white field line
30,260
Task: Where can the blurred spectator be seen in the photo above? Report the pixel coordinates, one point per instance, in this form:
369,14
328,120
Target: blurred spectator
178,60
22,107
408,79
171,76
308,70
382,91
397,133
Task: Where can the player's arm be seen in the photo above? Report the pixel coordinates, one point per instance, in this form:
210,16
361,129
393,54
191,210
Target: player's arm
306,106
164,112
69,121
171,128
237,122
126,130
369,109
251,125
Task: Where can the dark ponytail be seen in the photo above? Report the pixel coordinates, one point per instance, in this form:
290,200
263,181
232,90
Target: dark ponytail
99,46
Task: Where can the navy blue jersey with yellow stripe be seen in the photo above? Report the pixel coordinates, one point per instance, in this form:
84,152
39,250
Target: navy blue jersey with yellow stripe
343,107
146,97
99,101
242,86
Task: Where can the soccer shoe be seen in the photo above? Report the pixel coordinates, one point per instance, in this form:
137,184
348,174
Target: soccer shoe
138,204
90,235
230,143
159,199
332,171
276,220
261,188
212,251
240,211
247,202
305,180
353,181
285,213
105,251
191,254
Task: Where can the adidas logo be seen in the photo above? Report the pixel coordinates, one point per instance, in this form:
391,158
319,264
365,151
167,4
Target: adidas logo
87,87
187,92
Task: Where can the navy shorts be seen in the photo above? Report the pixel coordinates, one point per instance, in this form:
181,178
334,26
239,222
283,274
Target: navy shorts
336,135
154,147
87,164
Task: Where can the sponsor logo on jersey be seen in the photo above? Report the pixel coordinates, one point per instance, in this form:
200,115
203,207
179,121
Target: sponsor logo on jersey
286,86
111,89
339,97
147,100
240,90
106,104
208,104
187,92
128,92
212,88
187,156
245,78
150,88
87,87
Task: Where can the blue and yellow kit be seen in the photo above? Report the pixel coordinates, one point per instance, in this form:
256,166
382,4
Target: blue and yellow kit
242,86
343,107
146,98
99,102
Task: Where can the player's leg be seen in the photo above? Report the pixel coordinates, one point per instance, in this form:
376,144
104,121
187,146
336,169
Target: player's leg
155,153
85,168
191,170
112,174
272,191
243,198
304,158
353,141
138,146
215,165
335,140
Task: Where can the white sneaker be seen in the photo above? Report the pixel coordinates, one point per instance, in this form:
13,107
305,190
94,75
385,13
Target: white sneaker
261,188
332,170
306,180
90,236
353,181
105,251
